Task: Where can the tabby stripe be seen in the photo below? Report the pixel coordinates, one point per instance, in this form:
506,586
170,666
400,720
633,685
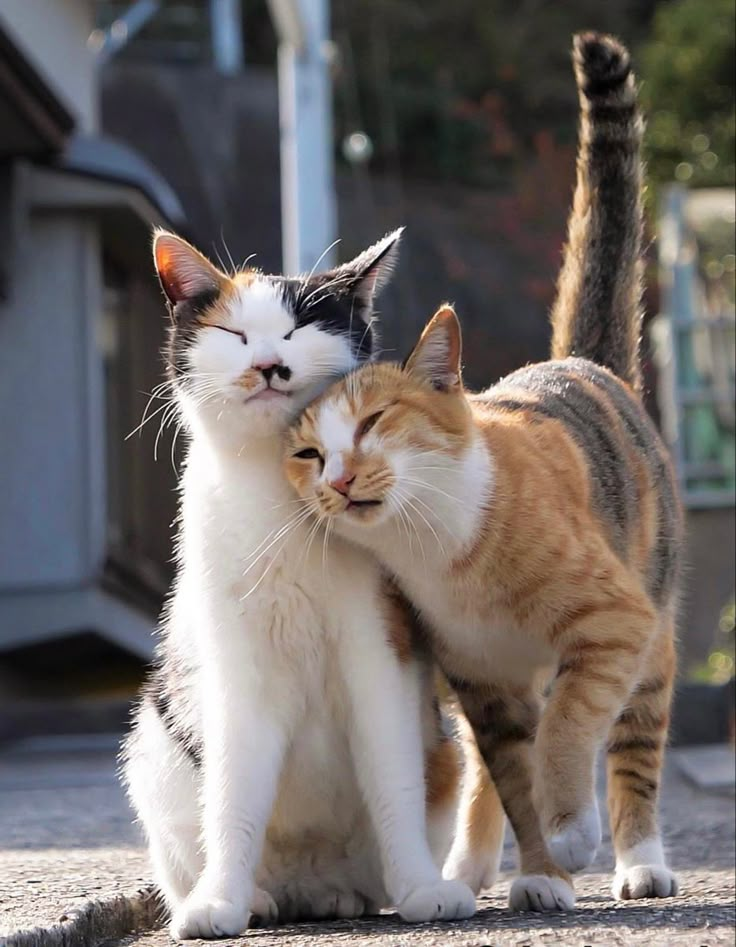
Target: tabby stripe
564,396
665,557
605,85
616,113
635,743
633,774
642,720
651,687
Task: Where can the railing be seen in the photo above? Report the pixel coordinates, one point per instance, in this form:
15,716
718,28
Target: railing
695,342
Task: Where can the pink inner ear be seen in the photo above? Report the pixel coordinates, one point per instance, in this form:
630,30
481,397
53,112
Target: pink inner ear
183,272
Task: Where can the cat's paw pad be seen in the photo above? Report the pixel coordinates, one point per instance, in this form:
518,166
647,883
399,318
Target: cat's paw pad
263,909
644,881
441,901
541,893
574,845
207,917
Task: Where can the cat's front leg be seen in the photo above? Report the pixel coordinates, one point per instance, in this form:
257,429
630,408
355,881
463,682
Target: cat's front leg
386,740
244,745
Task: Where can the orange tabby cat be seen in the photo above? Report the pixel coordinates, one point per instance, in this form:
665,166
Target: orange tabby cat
535,527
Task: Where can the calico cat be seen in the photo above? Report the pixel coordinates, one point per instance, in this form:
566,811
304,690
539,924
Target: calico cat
277,759
535,526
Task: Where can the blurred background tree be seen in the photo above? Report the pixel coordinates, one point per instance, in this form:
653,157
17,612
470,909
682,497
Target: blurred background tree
472,115
688,93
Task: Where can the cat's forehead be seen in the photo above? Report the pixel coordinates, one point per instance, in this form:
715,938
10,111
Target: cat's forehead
259,304
335,422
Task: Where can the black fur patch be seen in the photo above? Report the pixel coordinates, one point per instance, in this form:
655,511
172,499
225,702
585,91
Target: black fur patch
334,307
183,331
163,698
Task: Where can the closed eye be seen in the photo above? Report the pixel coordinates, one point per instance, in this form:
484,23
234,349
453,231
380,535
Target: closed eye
289,334
237,332
368,423
309,453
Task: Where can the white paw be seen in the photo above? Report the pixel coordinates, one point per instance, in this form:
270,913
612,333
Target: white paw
644,881
202,916
444,900
541,893
573,847
478,874
263,909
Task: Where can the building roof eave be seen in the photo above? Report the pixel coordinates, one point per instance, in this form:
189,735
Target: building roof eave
35,120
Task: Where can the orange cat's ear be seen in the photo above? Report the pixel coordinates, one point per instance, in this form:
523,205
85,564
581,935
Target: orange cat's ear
437,355
184,272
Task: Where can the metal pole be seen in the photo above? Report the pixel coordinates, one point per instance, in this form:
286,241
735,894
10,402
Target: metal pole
290,242
305,111
227,36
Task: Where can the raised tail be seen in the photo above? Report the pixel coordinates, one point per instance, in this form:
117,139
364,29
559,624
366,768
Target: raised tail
597,314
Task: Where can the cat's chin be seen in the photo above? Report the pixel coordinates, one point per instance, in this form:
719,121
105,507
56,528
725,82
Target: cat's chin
235,422
360,518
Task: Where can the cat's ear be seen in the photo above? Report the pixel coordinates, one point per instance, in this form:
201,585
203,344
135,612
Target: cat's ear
365,276
184,273
438,353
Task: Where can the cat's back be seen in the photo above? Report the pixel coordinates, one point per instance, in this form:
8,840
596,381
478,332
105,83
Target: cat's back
583,420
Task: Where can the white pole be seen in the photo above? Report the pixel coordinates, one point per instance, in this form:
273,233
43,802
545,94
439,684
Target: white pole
290,239
305,106
226,25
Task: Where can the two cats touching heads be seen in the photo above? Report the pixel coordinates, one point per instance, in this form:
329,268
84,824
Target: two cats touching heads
355,536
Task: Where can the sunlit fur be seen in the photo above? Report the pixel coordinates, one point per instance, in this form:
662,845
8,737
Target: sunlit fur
536,528
288,757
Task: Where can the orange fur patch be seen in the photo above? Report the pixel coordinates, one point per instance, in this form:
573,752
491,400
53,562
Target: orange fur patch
442,774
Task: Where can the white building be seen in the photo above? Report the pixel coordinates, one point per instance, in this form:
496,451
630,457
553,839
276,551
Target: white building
78,296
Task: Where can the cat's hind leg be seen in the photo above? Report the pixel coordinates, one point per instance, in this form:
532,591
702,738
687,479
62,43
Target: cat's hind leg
635,755
504,721
162,785
477,847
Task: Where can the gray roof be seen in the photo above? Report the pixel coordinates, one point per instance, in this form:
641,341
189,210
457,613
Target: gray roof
110,160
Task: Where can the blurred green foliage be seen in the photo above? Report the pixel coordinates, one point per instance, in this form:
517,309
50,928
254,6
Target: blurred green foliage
719,666
462,90
688,93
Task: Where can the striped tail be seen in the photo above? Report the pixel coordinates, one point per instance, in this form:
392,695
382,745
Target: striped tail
597,314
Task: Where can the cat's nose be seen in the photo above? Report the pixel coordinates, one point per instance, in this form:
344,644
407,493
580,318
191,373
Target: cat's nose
268,367
342,483
266,363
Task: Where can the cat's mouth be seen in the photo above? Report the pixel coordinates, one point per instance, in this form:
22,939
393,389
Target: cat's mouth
361,509
269,394
361,504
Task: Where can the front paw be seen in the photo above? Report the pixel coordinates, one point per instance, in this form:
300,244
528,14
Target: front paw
574,844
208,917
443,900
541,893
644,881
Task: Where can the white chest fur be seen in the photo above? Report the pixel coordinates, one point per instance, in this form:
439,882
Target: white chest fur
482,641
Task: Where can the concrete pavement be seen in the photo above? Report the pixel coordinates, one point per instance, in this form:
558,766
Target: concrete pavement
68,851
